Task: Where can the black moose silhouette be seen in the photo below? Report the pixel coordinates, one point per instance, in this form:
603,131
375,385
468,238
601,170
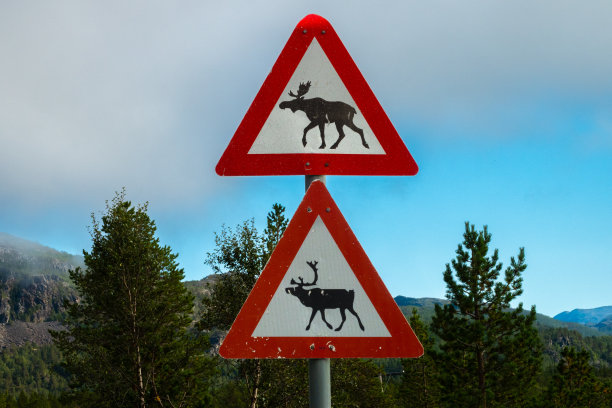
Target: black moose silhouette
321,299
320,112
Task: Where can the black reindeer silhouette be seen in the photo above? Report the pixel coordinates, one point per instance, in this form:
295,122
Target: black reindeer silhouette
321,299
320,112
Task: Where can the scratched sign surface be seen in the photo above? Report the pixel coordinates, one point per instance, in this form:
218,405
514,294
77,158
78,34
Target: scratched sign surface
319,296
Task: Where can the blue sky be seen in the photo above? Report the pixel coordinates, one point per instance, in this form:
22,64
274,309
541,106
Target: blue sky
505,106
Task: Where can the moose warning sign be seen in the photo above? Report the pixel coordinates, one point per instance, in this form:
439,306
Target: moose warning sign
319,296
315,115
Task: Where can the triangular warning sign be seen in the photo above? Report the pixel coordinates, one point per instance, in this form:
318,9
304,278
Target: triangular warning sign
315,114
319,296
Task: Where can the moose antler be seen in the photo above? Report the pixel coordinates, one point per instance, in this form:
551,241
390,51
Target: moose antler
301,90
301,283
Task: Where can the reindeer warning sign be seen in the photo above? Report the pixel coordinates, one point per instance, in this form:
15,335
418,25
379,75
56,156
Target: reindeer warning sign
319,296
315,114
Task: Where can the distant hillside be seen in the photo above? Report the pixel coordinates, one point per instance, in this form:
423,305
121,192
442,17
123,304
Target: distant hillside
419,302
605,326
22,257
426,306
549,322
200,289
33,285
589,317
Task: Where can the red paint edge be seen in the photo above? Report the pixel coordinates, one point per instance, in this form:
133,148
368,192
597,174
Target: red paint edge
239,343
236,161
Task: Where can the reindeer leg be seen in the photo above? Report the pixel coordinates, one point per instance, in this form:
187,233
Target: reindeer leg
329,326
312,315
357,316
306,129
343,314
340,135
322,130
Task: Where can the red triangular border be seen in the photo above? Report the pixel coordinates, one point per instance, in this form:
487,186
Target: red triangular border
240,344
237,162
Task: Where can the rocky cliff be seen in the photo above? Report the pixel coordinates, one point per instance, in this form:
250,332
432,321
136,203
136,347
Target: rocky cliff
33,285
35,298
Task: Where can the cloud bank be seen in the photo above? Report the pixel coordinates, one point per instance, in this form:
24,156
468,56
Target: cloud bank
95,96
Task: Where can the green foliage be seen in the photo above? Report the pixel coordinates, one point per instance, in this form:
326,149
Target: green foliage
238,259
490,355
33,400
575,385
127,342
32,369
358,383
420,387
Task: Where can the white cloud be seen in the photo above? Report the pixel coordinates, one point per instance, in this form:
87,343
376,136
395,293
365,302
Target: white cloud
147,94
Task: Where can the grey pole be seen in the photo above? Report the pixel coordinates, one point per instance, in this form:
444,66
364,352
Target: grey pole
319,377
310,179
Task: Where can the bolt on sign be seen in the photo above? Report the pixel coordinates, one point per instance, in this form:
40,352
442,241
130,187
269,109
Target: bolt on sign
315,115
319,296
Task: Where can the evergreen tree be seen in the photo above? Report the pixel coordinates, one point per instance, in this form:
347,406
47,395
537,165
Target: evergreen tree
238,258
419,386
127,342
574,385
490,354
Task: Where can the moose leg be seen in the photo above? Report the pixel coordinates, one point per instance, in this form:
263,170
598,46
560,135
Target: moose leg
343,315
357,316
356,129
306,129
322,130
326,322
340,135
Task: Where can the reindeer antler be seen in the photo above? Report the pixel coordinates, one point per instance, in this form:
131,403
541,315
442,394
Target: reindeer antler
304,87
301,283
313,265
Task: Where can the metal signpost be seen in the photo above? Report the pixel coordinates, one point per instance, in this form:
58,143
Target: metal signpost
319,296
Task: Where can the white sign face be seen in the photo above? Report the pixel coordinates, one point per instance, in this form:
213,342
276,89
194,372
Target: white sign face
336,306
320,100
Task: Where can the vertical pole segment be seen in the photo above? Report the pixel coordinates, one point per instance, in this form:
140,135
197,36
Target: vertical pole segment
310,179
320,383
319,377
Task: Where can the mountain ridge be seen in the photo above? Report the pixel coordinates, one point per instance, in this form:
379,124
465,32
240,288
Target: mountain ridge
588,317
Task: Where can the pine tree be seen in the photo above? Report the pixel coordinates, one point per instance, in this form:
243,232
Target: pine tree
419,386
490,354
127,342
575,385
